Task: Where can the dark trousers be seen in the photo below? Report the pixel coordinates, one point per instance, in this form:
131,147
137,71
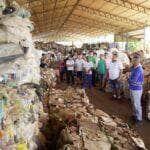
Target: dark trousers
87,83
70,76
93,77
101,79
62,73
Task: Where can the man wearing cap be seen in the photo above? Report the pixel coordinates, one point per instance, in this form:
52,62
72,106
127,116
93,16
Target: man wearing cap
115,70
136,80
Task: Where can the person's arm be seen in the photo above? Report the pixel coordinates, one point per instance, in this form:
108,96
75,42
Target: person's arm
133,79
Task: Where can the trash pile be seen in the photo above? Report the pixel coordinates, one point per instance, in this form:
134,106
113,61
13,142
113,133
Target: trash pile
75,124
21,111
148,106
20,116
51,46
18,56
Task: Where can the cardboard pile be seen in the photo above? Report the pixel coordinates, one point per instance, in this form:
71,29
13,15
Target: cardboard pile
75,124
85,127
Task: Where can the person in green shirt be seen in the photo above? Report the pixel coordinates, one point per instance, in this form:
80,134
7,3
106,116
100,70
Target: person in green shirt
91,58
101,70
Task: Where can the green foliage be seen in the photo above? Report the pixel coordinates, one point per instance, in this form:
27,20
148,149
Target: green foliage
133,46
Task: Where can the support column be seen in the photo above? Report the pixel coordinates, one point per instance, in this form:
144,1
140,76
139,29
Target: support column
147,39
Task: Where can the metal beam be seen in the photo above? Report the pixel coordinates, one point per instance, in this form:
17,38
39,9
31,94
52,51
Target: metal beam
63,10
107,15
94,21
70,13
52,17
51,10
86,20
32,1
130,5
76,23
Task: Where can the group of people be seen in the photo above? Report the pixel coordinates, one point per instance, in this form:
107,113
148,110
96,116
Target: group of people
84,69
88,69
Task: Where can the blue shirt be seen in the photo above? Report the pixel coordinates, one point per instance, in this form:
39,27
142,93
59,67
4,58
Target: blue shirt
136,78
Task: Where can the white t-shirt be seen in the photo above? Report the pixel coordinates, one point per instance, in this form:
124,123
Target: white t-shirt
88,66
70,62
114,69
79,64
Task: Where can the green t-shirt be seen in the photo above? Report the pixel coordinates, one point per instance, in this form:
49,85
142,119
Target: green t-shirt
101,67
93,60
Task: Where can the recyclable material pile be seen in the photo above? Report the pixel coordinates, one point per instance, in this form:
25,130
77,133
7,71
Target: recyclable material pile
18,56
21,112
75,124
51,46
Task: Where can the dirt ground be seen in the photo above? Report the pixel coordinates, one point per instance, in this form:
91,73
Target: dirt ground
119,108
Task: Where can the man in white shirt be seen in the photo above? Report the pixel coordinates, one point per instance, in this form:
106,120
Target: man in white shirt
70,70
87,74
115,69
79,68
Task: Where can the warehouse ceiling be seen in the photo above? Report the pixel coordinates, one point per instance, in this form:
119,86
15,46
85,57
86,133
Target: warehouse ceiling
83,18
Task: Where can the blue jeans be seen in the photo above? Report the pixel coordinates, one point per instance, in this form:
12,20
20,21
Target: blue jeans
87,83
114,84
136,103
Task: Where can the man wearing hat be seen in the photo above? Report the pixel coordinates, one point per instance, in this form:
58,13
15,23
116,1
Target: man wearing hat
136,80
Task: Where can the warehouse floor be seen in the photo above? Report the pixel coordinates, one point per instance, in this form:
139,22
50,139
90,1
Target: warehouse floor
121,109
